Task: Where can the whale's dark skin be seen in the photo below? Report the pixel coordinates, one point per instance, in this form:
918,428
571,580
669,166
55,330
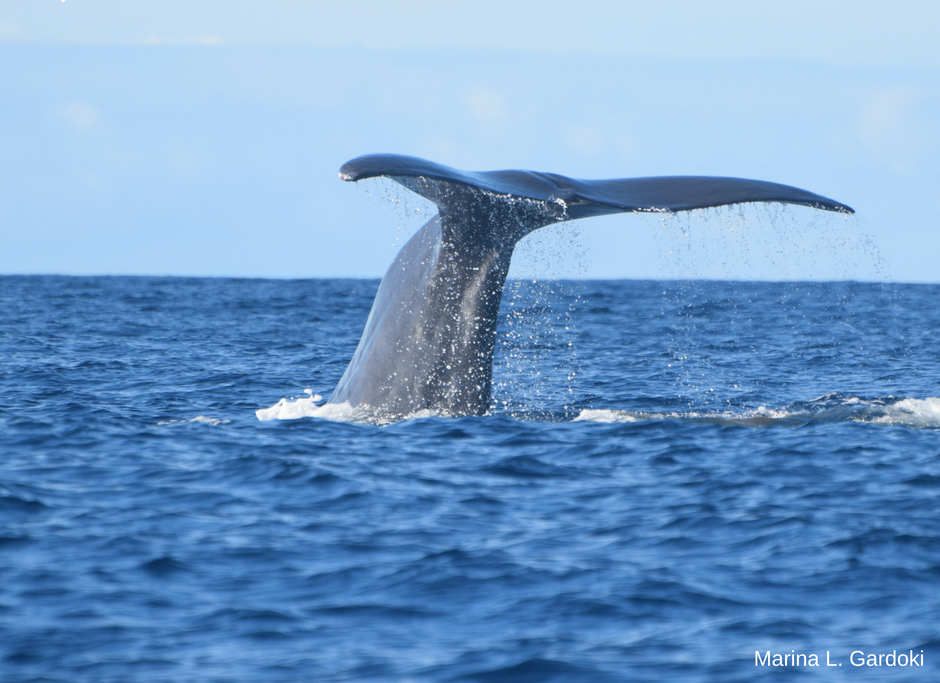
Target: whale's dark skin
428,343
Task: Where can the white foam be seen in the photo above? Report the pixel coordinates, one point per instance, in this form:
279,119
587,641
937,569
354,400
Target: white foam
199,419
605,415
913,412
286,409
202,419
771,413
309,406
759,416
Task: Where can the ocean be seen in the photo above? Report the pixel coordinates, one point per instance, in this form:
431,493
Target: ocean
677,481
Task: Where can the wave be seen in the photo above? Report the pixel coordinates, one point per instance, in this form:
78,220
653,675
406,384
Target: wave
833,407
199,419
909,412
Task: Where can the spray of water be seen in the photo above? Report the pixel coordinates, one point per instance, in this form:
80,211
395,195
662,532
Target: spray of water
765,242
537,337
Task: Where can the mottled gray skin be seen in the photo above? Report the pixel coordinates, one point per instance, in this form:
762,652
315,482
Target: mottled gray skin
429,340
428,343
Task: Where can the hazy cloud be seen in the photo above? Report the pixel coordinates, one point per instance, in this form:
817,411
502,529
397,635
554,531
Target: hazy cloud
184,163
209,40
585,140
486,106
81,116
891,128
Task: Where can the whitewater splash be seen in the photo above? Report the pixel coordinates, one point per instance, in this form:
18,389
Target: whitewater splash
908,412
913,413
312,406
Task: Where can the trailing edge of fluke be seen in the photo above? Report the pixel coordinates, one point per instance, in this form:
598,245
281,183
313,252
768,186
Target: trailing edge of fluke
428,343
595,197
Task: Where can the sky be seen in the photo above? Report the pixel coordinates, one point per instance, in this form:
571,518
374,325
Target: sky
204,138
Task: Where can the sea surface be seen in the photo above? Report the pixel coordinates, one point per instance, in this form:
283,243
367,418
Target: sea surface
673,476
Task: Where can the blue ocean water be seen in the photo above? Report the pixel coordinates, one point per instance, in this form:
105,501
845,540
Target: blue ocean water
673,476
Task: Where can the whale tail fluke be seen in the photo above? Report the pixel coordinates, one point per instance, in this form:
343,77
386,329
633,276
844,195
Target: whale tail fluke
584,198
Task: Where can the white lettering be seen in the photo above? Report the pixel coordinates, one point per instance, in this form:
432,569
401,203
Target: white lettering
861,662
761,661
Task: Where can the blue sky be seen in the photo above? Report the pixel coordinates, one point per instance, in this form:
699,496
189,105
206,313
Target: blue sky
204,138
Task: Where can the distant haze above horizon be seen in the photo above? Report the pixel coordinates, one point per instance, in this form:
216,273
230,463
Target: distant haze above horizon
180,139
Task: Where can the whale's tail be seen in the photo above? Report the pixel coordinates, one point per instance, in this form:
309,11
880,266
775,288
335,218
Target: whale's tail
429,340
584,198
